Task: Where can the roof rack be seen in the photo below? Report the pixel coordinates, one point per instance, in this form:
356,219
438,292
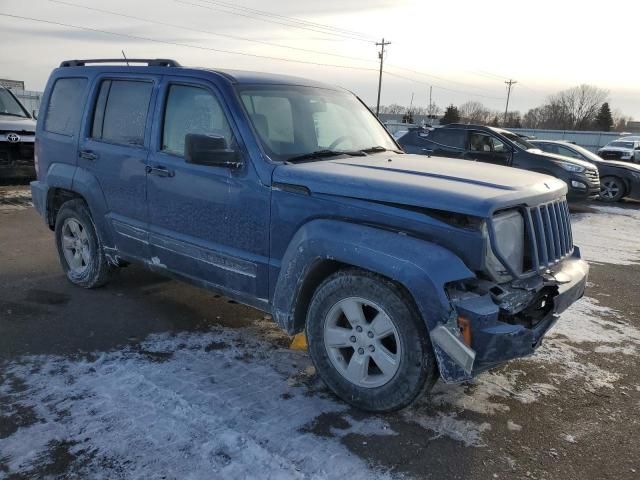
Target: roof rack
151,62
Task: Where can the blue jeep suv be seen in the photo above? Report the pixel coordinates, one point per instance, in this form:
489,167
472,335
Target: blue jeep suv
289,195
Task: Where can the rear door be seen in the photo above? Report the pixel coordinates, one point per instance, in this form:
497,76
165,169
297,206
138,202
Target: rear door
115,150
448,142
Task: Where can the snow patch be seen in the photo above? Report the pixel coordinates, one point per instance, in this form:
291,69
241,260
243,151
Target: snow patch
175,408
447,424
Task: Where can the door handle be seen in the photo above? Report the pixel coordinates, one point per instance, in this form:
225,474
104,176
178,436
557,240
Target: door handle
88,155
159,170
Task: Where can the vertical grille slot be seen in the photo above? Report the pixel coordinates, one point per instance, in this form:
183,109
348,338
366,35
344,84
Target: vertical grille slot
550,230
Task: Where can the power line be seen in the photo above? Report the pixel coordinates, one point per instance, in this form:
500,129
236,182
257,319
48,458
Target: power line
209,32
218,50
253,17
441,87
287,18
199,47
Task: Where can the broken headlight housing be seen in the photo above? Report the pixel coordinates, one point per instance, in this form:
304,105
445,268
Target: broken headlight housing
508,244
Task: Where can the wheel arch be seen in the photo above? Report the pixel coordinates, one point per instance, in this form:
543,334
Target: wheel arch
322,247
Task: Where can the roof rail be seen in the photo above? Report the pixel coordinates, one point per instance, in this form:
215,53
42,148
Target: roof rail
151,62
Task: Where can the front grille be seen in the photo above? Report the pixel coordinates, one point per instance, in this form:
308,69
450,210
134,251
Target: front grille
16,154
611,155
593,176
550,234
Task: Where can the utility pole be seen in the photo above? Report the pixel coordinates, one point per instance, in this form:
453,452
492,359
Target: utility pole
381,57
509,83
430,103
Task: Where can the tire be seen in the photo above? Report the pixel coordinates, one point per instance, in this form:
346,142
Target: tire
79,247
379,385
612,189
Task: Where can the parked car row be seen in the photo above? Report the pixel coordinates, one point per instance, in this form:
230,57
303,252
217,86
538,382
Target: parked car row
586,174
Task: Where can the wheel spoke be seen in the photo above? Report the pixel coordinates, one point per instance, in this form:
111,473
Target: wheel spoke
352,309
73,226
338,337
67,241
382,325
86,256
385,360
358,368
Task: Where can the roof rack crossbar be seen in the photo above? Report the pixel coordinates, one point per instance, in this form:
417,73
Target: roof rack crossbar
151,62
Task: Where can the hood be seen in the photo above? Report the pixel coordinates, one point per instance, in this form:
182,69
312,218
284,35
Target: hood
634,167
562,158
440,183
17,124
616,149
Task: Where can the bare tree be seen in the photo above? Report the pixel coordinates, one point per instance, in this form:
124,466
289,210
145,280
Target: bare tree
474,112
579,105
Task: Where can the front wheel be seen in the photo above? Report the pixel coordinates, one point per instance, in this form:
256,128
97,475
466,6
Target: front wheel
368,343
79,246
612,189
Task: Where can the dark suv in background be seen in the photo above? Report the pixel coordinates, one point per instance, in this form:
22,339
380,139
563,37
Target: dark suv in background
501,147
17,136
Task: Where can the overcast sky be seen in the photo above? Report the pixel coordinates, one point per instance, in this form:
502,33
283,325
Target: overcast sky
464,49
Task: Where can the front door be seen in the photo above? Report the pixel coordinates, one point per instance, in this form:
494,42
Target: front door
115,149
484,147
209,223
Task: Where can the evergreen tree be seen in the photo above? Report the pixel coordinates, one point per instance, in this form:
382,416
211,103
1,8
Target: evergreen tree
451,115
604,119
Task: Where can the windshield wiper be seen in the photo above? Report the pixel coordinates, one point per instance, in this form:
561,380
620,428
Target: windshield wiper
378,148
325,153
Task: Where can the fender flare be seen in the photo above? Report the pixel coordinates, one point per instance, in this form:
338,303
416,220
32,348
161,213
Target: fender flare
86,184
422,267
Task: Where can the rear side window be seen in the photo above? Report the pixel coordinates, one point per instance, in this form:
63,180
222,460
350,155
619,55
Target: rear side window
65,106
449,138
121,111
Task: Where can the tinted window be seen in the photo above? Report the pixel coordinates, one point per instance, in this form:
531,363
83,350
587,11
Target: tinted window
567,152
449,137
121,111
547,147
192,110
481,142
65,106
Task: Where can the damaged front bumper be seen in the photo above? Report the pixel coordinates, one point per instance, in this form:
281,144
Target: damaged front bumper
504,322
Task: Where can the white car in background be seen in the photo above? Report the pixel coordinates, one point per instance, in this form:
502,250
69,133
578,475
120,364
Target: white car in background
626,149
17,136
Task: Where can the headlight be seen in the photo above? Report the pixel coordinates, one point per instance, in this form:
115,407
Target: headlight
571,167
626,155
509,240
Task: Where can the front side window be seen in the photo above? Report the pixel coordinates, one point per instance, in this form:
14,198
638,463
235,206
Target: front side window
10,106
121,111
191,110
567,152
481,142
65,106
292,120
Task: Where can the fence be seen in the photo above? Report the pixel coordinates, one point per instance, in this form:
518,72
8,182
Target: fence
28,98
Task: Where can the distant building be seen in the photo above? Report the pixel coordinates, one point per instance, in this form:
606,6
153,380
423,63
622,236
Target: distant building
12,84
633,126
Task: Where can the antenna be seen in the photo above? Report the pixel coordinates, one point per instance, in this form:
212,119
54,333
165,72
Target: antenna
125,58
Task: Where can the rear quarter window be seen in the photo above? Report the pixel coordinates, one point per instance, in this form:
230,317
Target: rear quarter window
65,106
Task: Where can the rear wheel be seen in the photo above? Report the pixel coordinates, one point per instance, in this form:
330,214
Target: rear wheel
368,343
79,246
612,189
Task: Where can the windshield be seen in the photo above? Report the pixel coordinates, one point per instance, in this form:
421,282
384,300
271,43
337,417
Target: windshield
296,121
519,141
588,154
621,144
10,106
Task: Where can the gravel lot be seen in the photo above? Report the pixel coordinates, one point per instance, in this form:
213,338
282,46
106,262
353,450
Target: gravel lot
150,378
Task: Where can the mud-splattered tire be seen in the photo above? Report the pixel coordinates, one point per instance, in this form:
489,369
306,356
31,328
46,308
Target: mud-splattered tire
368,343
79,246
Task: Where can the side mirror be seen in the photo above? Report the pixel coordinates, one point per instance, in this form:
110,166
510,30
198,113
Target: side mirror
210,150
